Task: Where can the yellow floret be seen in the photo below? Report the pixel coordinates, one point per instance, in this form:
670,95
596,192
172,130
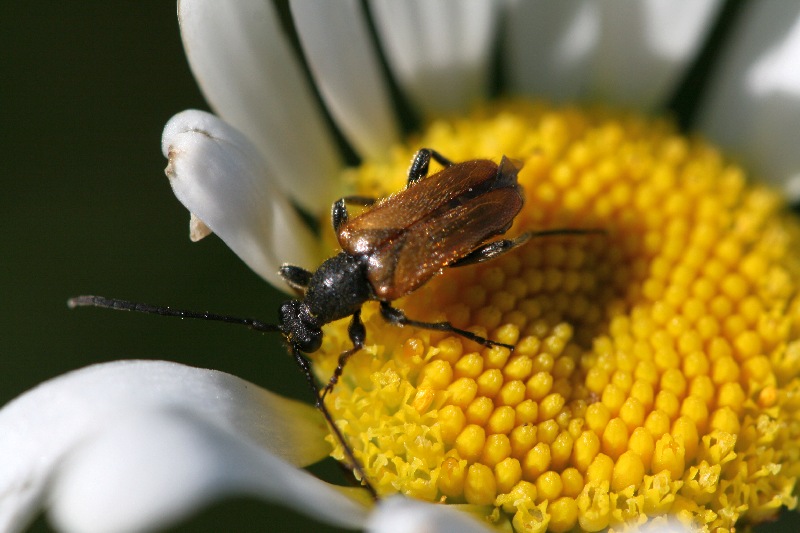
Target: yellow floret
508,473
451,422
600,470
539,385
496,449
470,441
479,411
452,477
563,514
628,471
643,444
501,420
670,456
615,438
512,393
561,450
536,461
480,487
468,366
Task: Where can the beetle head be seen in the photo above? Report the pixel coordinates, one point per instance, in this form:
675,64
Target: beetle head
302,329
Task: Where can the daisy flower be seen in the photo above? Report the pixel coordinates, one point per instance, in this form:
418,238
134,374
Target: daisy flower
655,370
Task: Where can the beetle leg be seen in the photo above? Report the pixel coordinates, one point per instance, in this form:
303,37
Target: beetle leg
493,249
305,368
397,317
439,158
357,334
420,163
295,277
339,208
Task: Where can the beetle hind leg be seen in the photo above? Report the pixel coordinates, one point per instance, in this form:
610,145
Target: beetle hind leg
397,317
491,250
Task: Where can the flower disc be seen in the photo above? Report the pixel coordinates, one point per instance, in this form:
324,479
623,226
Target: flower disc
655,364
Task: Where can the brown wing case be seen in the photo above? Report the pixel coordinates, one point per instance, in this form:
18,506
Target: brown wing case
393,215
415,255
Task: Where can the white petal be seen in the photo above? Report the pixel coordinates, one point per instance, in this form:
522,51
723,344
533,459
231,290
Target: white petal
218,175
403,515
346,69
662,525
549,45
753,104
645,47
150,470
626,53
439,50
248,73
44,425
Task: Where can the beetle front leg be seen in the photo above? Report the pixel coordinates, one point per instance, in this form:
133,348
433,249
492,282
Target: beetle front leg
357,333
295,277
305,368
339,208
397,317
421,162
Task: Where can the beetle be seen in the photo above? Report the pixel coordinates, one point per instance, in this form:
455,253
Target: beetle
401,242
398,244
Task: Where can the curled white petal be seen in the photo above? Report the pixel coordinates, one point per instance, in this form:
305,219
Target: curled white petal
150,470
439,50
346,69
41,427
753,104
218,175
626,53
403,515
247,71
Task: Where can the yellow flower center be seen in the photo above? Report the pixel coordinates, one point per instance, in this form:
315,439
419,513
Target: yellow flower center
655,369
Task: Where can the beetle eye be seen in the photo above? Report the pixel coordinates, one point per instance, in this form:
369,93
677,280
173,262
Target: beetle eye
308,339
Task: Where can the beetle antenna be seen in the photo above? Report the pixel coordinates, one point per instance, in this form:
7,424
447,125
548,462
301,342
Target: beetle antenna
125,305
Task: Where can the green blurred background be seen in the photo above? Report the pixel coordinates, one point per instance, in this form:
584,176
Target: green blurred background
86,209
85,91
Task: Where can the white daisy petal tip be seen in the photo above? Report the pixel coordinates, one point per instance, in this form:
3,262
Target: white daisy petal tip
44,426
219,176
403,515
152,470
